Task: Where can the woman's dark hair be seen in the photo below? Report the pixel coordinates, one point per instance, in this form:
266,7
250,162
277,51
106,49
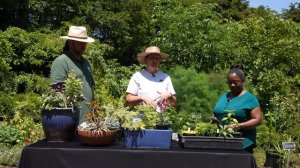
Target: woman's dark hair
238,69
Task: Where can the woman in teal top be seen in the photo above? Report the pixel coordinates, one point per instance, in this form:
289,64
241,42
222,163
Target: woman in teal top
243,103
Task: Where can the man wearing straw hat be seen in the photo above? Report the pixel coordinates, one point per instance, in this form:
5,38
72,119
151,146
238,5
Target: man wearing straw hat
72,60
150,86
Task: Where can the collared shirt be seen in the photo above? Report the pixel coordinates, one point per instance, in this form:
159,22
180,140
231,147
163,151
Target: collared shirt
60,68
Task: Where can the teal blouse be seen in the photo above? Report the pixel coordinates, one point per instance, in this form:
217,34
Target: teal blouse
242,106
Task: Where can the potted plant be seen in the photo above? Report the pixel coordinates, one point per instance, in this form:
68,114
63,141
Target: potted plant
212,136
164,120
60,113
140,128
99,127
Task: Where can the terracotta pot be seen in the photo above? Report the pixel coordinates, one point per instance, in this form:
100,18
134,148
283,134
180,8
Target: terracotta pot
96,137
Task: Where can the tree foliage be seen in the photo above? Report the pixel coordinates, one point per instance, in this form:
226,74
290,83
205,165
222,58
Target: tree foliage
293,12
197,93
195,37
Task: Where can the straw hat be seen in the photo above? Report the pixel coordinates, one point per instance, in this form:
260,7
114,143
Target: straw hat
78,33
150,50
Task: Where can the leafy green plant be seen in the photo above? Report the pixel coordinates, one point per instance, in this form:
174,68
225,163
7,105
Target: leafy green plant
143,117
166,117
229,118
129,119
148,115
70,96
206,129
184,120
26,116
10,155
10,135
222,129
6,105
226,130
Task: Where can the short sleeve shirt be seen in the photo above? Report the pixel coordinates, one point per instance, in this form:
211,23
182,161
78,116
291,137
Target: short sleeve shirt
242,107
150,85
60,68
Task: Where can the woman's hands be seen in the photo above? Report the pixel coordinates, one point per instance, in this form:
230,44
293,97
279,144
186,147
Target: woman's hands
164,95
132,99
149,101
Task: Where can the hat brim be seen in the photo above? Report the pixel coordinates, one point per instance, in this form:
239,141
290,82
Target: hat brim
87,40
141,56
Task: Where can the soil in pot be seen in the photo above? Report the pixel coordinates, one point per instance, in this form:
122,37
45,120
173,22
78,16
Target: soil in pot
163,126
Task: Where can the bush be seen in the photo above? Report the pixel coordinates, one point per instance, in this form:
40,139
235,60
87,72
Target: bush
10,155
10,135
6,106
197,93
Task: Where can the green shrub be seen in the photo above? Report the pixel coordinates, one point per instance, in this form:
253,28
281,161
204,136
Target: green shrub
10,155
10,135
267,136
30,83
6,105
26,115
197,93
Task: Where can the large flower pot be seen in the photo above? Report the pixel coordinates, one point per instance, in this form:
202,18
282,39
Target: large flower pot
88,137
60,124
148,138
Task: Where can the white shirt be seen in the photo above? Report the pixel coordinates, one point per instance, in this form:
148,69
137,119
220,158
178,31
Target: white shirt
143,83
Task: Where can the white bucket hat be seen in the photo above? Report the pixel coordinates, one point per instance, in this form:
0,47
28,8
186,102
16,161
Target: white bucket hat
150,50
78,33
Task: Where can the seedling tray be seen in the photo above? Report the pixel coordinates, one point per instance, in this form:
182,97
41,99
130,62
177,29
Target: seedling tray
207,142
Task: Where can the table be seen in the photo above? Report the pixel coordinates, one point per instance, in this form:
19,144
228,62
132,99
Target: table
74,155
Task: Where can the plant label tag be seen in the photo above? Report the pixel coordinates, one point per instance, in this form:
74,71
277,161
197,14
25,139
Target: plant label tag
289,146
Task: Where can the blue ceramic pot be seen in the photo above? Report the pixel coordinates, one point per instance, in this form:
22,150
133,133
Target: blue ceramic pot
60,124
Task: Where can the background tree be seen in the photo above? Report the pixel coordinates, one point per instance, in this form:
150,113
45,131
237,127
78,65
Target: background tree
230,9
292,13
194,37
